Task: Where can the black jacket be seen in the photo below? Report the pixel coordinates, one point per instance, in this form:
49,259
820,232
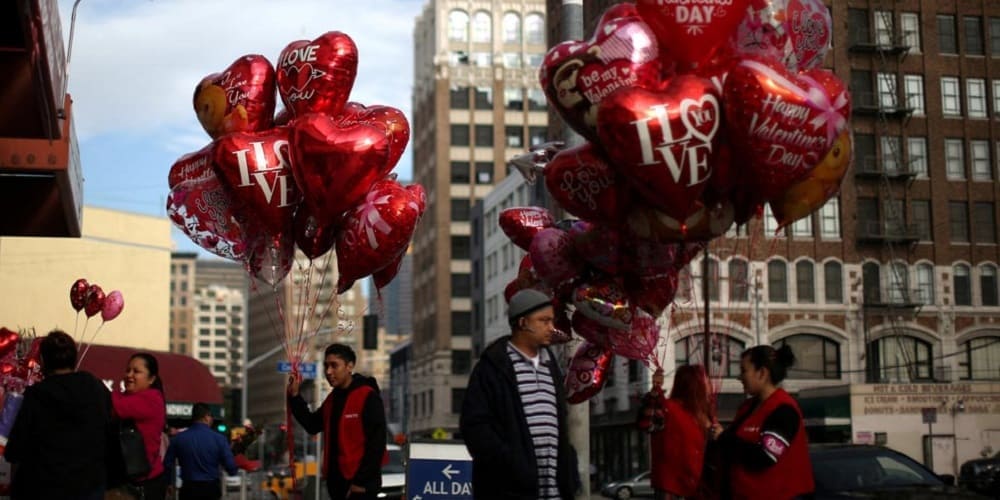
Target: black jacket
58,440
496,432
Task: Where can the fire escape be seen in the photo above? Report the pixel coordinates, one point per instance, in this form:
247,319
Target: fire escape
883,176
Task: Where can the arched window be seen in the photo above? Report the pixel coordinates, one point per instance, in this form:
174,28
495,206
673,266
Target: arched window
872,282
988,284
482,27
899,282
777,281
833,282
925,283
713,279
458,26
739,281
805,282
684,284
511,28
962,285
981,360
815,357
534,29
725,352
899,358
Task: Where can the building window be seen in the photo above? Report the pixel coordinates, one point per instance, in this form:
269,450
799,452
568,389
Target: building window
899,283
460,247
815,357
996,98
538,135
871,281
833,282
883,28
460,209
864,153
858,20
803,228
461,285
514,136
925,284
900,358
482,27
958,221
887,97
861,87
536,100
829,218
511,28
724,357
953,159
805,282
975,92
913,88
982,170
770,223
458,26
511,60
484,98
962,285
534,29
950,105
739,280
484,136
984,222
460,135
457,399
777,281
713,279
973,35
910,24
916,148
459,172
484,172
461,323
461,361
458,58
982,359
482,59
535,60
995,36
513,99
920,212
947,39
988,284
891,150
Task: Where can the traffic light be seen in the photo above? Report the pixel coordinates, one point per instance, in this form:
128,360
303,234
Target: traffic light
221,427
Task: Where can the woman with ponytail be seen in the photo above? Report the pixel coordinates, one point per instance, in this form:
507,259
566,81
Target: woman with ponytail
765,449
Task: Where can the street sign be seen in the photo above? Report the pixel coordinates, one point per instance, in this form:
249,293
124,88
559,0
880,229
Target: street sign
308,370
438,470
929,414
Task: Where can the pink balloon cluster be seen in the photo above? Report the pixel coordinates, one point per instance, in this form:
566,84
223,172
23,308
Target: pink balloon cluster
314,176
91,299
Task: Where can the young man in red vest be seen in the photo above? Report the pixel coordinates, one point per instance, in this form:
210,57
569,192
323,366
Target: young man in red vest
352,419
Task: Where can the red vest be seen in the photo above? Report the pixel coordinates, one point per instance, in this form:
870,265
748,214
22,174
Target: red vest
678,452
791,475
350,432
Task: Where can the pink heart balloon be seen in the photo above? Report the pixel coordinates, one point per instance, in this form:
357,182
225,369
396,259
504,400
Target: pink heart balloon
113,305
638,343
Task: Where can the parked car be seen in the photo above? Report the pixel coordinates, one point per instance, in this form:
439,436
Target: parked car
394,475
854,471
981,475
637,486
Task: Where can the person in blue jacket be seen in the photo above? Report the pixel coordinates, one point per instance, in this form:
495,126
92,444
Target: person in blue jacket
201,452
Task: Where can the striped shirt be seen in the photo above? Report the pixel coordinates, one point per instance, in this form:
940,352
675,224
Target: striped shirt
538,397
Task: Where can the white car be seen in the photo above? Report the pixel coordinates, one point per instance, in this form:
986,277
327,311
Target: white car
394,475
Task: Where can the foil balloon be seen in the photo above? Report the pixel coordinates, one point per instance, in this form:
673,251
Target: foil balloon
819,185
269,255
562,326
577,76
384,276
554,259
663,141
691,32
652,292
312,238
317,76
336,165
239,99
282,117
113,305
205,211
521,224
795,32
583,183
95,301
254,166
591,330
377,231
781,123
8,341
78,294
605,302
638,343
705,223
192,166
390,120
587,372
600,246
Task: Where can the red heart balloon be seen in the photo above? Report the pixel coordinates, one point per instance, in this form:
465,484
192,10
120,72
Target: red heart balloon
587,372
192,166
8,341
239,99
599,245
78,294
205,211
254,166
390,120
585,185
652,292
690,32
317,76
521,224
384,276
335,166
664,141
783,124
577,76
311,237
95,301
639,342
377,231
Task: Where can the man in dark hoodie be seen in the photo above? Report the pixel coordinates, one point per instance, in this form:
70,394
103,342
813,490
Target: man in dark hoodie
353,420
514,413
58,441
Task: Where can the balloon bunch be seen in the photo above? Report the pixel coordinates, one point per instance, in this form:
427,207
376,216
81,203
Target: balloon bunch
90,298
20,367
695,115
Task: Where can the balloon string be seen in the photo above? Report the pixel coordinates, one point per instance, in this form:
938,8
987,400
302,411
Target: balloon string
290,438
301,301
76,324
314,301
332,302
87,349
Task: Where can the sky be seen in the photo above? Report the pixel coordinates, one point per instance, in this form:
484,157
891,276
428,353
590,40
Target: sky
135,64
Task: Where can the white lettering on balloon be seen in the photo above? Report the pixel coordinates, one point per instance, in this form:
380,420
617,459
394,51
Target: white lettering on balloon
297,65
584,183
261,169
689,152
234,88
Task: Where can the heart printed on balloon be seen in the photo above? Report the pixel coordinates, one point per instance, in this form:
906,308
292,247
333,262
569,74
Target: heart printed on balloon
577,76
205,211
390,120
587,372
690,32
335,166
795,32
317,76
583,183
521,224
254,166
781,123
376,232
239,99
192,166
663,141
